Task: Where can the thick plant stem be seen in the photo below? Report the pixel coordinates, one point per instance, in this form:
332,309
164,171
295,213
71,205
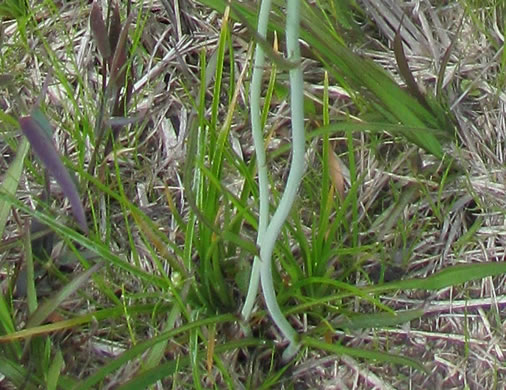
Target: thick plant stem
258,139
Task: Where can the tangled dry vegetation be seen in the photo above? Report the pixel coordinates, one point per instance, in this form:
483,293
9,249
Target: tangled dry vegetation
461,335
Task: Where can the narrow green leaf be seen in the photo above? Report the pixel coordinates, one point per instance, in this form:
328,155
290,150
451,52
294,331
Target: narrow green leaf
31,293
17,374
363,354
104,314
6,323
378,320
54,371
450,276
11,182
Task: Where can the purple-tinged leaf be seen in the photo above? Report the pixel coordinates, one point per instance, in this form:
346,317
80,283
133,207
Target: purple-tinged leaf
118,64
45,150
115,26
39,117
99,31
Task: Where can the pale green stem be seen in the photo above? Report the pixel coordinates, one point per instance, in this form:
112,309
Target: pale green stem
267,234
293,181
258,139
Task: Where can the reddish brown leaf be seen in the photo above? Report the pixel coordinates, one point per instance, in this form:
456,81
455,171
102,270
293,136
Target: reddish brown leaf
99,31
115,26
118,64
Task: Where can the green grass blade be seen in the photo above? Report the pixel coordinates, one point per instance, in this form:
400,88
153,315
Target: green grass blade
100,315
11,181
363,354
54,371
378,320
450,276
19,375
31,293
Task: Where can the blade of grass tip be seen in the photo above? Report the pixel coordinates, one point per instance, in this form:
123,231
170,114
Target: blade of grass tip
47,153
11,182
98,31
219,67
